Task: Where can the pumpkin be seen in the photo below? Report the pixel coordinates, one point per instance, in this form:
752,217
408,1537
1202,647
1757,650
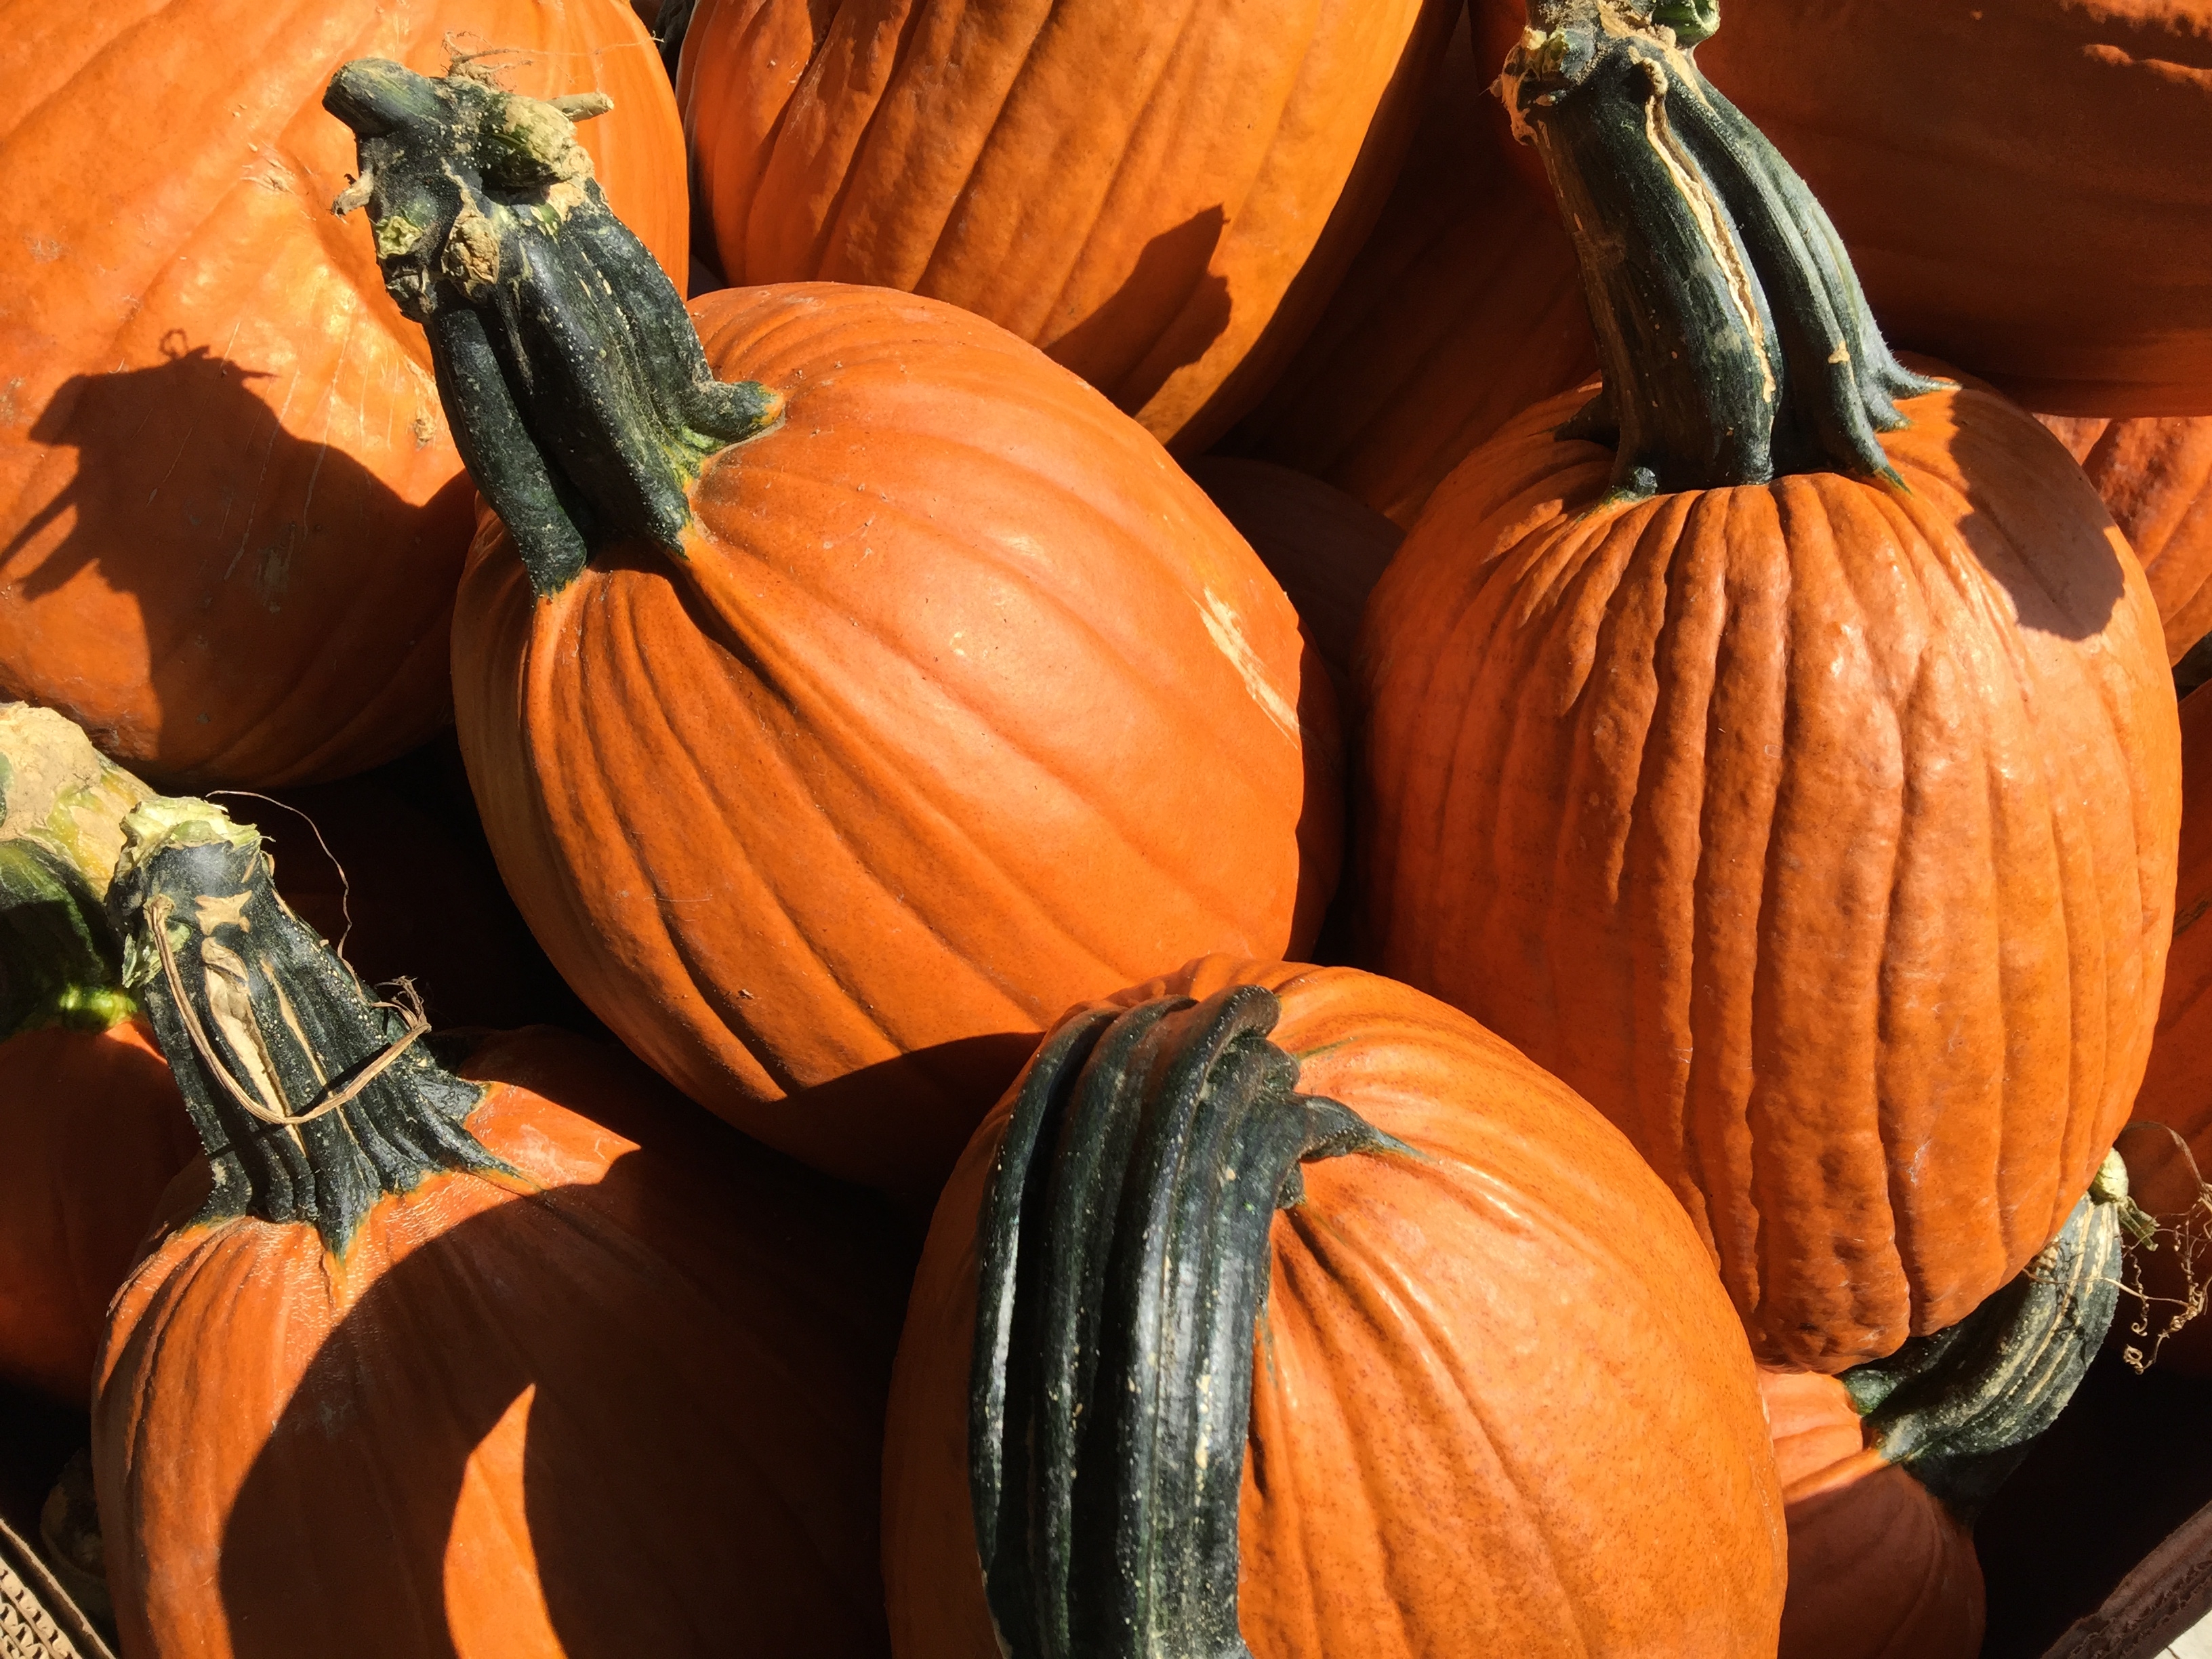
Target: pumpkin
515,1354
830,775
1160,195
1460,310
2042,217
2155,477
91,1127
1326,548
1884,1469
231,516
1779,747
1375,1339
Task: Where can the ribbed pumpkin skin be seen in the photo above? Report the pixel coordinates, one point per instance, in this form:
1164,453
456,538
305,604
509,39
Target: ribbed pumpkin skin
91,1130
967,705
2155,477
1821,836
1412,1482
231,516
1460,309
623,1405
1879,1568
1135,186
1988,168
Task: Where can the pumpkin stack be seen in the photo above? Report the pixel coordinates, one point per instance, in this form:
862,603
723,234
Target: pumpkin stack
1652,1204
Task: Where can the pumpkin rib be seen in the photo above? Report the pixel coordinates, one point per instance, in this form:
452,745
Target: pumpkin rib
1062,923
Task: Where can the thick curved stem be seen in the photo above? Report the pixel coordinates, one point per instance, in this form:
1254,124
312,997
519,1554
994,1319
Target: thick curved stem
309,1095
1123,1258
576,384
1735,341
1960,1407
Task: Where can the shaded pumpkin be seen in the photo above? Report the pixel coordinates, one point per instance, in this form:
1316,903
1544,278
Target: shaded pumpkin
1160,195
91,1126
2156,478
1779,747
609,1377
828,777
231,516
1885,1468
1460,310
1325,548
2010,219
1392,1250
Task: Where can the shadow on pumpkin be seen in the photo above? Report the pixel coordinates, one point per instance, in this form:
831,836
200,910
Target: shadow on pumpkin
538,1334
1122,347
239,542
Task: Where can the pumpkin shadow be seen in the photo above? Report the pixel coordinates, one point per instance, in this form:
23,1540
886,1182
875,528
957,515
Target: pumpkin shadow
1114,350
190,495
698,1427
2062,574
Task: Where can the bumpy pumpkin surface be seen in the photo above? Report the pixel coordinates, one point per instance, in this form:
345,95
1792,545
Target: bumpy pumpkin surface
2026,188
1460,310
1160,195
526,1357
1412,1480
1795,773
2155,477
231,515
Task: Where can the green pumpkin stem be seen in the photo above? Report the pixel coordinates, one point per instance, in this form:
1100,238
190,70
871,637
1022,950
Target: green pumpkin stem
1123,1262
576,384
1960,1407
312,1098
1736,343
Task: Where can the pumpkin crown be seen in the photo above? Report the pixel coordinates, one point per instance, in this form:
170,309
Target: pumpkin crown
311,1098
573,379
1123,1258
1960,1408
1736,343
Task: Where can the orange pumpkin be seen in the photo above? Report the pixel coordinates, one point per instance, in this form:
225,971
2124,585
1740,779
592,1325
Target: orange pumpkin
1161,196
231,517
523,1356
1884,1469
1438,1369
2045,219
91,1126
2155,477
1460,310
1793,770
942,703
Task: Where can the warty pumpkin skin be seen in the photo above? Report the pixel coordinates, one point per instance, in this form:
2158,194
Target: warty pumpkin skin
91,1126
944,703
1460,310
1885,1467
231,516
2026,188
521,1358
1812,814
1160,195
2156,478
1497,1402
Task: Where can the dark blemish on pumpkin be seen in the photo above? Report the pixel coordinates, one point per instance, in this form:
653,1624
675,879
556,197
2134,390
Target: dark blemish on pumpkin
2190,914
